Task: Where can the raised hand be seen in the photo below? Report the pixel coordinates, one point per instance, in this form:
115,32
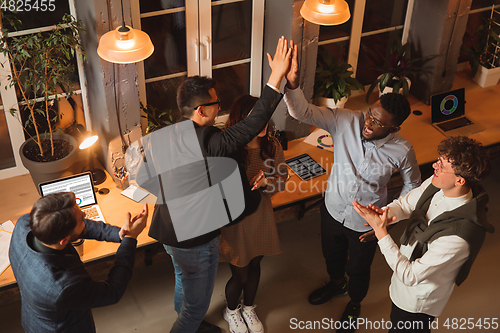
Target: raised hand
134,226
280,64
292,76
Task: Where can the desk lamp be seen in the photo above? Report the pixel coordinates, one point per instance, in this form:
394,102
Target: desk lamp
98,175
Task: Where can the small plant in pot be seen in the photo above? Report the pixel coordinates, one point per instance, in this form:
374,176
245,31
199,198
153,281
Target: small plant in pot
41,67
333,80
484,52
397,71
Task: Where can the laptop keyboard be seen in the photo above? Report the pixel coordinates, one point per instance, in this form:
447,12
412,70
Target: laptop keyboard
91,213
455,123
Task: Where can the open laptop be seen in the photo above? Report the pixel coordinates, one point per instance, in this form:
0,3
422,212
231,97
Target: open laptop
83,188
448,114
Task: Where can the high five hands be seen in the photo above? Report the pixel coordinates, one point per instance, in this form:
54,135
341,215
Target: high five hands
281,62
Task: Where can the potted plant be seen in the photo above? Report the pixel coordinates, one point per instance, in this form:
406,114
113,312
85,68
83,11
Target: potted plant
41,67
157,118
397,71
333,82
484,51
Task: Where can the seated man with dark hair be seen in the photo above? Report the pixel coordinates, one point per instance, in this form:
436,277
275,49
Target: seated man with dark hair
447,227
57,292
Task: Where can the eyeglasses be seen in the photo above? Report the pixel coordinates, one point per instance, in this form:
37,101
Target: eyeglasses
209,104
439,165
377,122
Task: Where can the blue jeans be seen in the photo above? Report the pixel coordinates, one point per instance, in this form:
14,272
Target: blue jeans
195,271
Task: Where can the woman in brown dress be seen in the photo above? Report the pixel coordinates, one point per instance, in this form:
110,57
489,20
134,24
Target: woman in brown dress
244,244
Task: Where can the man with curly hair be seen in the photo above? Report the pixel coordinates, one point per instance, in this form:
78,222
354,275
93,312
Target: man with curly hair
367,151
447,227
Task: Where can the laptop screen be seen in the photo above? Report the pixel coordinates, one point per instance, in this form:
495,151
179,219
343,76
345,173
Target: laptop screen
448,105
81,185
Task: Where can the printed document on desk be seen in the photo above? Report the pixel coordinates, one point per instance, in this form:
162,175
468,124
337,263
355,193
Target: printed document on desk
321,139
6,230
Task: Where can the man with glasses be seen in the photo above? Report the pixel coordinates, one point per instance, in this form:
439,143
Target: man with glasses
195,259
447,226
367,151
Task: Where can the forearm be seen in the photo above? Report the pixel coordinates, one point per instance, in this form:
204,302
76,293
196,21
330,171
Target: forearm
101,231
87,293
240,134
300,109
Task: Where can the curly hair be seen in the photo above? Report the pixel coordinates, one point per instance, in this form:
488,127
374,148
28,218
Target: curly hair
193,92
53,217
239,110
397,105
468,158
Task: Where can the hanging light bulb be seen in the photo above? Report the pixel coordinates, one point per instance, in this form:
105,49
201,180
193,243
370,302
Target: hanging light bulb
125,45
325,12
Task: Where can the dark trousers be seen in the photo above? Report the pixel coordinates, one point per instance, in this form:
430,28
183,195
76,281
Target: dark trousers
408,322
344,253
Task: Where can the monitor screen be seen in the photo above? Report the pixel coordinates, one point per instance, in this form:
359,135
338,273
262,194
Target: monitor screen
448,105
81,185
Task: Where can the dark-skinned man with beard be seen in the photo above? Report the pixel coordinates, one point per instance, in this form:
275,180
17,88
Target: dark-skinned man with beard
367,151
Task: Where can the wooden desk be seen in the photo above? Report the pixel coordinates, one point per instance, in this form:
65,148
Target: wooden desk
19,194
297,190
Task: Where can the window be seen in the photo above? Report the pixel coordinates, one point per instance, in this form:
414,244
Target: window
365,38
225,44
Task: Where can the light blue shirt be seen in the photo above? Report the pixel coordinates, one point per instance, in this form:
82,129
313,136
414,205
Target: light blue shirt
361,168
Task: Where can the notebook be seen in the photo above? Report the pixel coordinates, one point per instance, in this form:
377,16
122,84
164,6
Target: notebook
83,188
448,114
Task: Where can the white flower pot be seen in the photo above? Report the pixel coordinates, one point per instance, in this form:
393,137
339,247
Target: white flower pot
487,77
389,89
330,102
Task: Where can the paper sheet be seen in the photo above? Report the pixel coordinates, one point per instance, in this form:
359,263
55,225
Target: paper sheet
135,193
6,230
321,139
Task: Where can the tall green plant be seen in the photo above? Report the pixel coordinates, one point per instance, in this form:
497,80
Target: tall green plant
41,66
398,66
333,78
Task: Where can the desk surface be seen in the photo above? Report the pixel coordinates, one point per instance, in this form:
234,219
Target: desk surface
22,193
19,193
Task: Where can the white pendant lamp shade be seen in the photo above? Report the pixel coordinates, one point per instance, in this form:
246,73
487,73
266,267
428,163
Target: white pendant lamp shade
125,45
325,12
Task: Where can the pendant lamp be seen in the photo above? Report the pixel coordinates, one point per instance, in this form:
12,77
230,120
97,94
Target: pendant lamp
125,45
325,12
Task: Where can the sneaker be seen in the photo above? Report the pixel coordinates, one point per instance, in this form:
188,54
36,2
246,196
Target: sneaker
327,292
250,317
236,323
349,318
206,327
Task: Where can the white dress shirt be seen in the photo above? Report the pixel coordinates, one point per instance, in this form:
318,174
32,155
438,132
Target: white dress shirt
426,284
